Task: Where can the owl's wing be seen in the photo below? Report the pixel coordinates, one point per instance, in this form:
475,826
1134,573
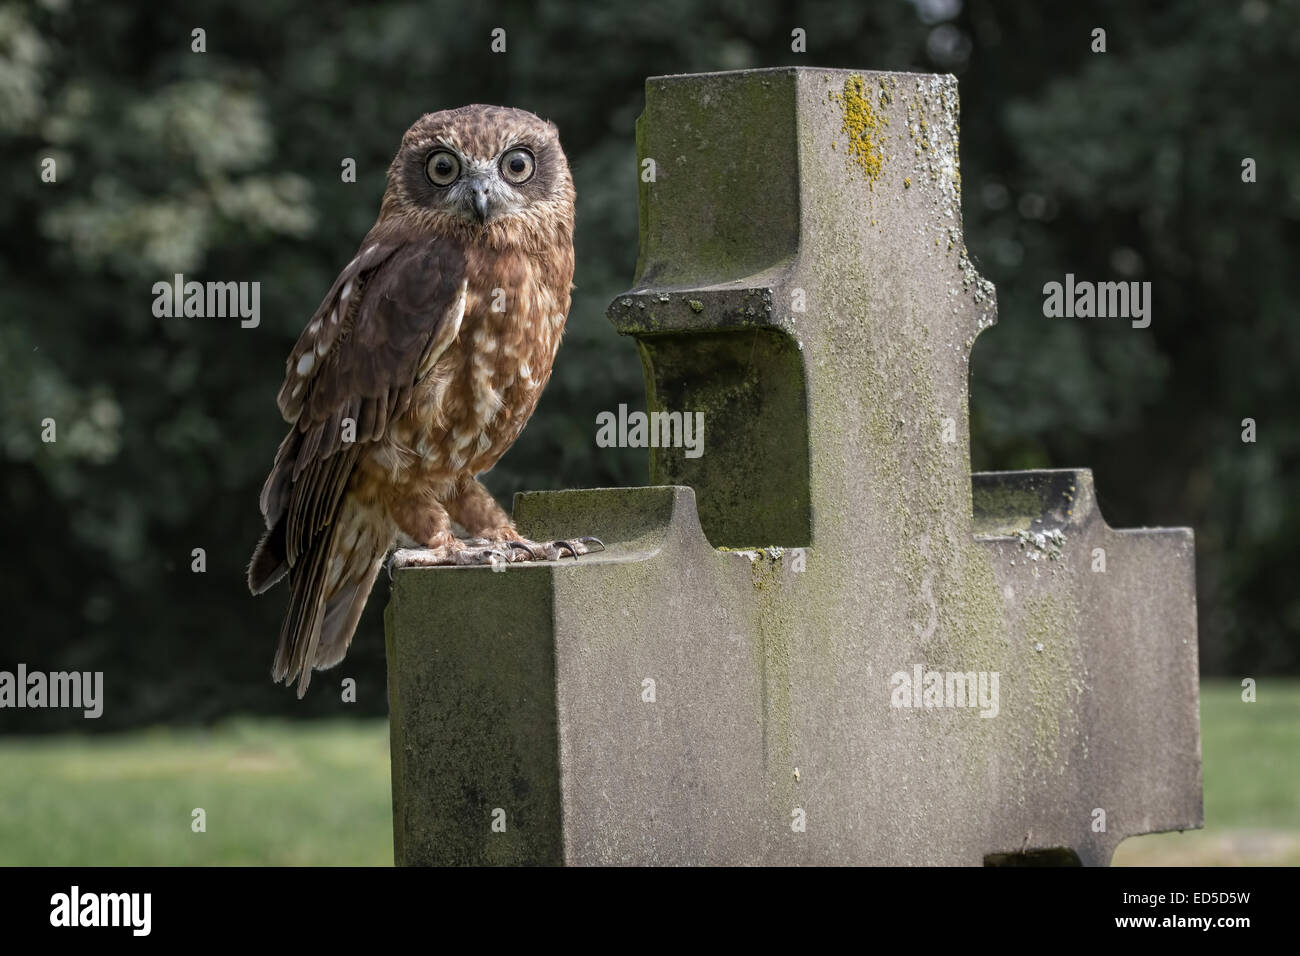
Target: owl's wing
389,311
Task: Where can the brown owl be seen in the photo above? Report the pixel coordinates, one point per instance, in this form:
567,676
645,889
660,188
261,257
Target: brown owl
416,373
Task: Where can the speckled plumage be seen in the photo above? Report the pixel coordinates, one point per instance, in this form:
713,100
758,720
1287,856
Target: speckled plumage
435,342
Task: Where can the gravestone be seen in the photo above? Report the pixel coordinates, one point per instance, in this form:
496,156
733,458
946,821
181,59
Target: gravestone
822,640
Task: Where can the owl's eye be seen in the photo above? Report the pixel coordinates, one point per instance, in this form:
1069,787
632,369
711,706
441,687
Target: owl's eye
442,168
517,165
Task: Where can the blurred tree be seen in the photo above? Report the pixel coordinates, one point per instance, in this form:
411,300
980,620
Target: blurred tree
1128,165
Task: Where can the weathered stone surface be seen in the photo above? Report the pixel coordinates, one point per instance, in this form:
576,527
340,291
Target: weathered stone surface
839,429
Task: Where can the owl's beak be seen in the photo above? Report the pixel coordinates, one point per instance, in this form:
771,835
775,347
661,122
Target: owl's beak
478,197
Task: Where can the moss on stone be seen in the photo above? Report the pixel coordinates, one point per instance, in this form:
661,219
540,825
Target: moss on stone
1054,675
749,386
774,622
863,124
1005,508
711,145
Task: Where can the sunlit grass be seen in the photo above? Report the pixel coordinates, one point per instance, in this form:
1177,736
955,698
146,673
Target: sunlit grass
1250,756
274,792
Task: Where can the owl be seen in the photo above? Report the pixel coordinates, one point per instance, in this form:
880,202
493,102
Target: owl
418,370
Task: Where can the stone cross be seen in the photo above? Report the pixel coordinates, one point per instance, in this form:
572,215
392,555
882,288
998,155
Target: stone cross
822,640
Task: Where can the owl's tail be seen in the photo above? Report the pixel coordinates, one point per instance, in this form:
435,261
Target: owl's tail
329,585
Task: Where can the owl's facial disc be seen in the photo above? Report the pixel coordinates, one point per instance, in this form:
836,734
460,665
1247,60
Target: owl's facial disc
481,190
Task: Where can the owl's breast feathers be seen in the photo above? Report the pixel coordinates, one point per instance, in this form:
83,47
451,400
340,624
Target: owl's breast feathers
480,391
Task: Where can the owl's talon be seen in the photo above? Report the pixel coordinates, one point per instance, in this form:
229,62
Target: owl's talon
522,549
532,551
555,550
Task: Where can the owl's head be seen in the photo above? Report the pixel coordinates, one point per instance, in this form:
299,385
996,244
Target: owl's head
482,169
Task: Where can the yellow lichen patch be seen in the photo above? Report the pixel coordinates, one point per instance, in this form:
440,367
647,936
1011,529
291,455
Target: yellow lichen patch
862,125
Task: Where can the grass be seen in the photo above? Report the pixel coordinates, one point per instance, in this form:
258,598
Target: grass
274,792
296,793
1250,758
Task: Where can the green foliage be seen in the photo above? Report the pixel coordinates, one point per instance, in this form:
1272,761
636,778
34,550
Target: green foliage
1127,165
226,166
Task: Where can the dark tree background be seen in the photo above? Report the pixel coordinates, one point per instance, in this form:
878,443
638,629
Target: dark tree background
225,166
